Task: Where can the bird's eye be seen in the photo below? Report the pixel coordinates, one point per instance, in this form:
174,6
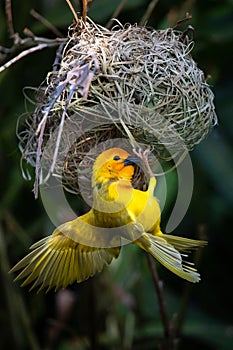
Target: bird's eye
116,158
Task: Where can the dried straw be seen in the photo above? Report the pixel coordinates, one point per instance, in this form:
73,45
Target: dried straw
140,77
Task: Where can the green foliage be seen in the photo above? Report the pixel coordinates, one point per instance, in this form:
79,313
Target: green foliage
118,309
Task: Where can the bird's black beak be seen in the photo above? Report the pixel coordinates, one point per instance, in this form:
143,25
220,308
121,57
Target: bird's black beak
131,160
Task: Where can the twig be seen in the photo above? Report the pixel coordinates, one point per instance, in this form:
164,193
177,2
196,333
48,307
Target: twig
92,315
116,13
179,321
84,9
47,43
73,11
21,55
162,304
46,23
148,12
187,18
8,9
16,311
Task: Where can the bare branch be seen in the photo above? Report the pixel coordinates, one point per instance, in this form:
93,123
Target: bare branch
46,23
167,335
116,13
84,8
8,9
148,12
73,11
41,43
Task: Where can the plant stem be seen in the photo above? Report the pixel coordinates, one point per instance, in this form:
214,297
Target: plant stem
116,13
148,12
73,11
92,316
167,336
8,10
179,322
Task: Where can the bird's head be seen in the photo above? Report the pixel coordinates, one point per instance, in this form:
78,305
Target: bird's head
113,164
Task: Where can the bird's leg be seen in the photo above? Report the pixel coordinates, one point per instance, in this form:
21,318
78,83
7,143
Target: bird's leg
143,155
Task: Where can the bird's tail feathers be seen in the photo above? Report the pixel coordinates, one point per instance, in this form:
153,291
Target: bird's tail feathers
169,256
184,244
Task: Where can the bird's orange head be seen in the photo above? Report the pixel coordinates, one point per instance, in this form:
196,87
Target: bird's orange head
113,164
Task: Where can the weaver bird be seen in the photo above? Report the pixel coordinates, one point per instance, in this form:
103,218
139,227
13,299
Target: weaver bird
78,249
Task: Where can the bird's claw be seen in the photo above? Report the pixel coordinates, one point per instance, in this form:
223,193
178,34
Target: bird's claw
143,155
146,152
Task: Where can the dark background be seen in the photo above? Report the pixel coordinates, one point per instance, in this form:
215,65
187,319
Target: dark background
118,308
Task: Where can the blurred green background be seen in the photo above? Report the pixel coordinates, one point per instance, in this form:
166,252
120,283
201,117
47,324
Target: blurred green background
118,308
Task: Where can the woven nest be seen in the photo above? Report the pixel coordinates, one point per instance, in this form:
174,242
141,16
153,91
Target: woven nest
129,82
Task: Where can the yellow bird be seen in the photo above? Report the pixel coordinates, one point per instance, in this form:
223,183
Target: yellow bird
78,249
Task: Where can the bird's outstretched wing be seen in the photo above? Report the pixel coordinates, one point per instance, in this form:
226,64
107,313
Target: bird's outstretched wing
167,254
57,261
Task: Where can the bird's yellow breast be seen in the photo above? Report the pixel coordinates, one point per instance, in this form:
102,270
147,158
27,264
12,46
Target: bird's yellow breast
146,209
119,203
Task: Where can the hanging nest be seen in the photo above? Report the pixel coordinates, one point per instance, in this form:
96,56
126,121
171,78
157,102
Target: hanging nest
130,81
